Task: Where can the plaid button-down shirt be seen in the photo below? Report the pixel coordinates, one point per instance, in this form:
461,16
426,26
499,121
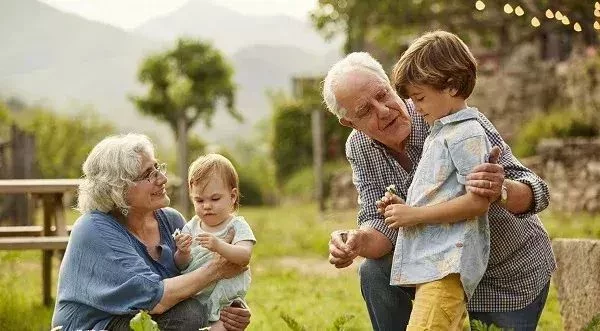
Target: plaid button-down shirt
521,259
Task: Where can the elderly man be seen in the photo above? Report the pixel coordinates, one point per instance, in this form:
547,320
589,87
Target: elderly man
383,149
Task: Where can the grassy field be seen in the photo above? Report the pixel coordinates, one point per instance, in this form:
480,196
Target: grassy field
291,278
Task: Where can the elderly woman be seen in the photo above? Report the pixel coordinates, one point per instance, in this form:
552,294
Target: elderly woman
120,255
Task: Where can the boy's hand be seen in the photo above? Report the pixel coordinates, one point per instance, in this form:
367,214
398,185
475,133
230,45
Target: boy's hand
400,215
209,241
184,243
386,200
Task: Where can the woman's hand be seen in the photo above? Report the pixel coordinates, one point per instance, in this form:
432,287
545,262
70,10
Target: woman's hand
184,243
235,318
226,269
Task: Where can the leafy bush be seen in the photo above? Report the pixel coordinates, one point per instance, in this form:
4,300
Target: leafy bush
557,124
63,141
301,184
292,136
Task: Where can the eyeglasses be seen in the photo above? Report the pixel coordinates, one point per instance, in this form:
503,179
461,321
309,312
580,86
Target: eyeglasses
153,175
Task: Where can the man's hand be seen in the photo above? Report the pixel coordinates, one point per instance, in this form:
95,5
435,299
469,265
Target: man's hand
209,241
486,179
183,241
388,199
400,215
235,318
344,247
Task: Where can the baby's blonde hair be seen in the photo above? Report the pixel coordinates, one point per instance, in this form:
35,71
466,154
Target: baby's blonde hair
214,164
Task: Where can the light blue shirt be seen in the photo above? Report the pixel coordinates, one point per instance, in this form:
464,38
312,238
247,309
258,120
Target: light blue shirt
107,271
424,253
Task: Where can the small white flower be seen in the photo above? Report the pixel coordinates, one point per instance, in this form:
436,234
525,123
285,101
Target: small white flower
176,233
392,189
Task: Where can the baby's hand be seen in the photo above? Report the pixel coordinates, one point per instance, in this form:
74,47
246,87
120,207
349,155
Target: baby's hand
183,242
208,241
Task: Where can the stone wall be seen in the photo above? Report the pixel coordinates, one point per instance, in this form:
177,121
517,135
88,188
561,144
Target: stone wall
576,279
571,167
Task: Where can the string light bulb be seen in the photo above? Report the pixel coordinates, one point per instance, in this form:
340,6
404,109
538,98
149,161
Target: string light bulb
508,9
565,20
597,12
597,5
577,27
519,11
480,5
535,22
596,25
558,15
549,14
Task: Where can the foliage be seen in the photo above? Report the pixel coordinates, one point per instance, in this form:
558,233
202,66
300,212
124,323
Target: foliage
557,124
480,326
292,323
63,141
300,185
292,136
186,82
387,25
292,141
143,322
594,324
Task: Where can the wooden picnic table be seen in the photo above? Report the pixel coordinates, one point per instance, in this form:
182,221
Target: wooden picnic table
54,231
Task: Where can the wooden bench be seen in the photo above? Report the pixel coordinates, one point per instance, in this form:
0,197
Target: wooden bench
43,243
26,231
53,235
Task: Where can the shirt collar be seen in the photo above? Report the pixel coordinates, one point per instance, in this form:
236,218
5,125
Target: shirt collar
461,115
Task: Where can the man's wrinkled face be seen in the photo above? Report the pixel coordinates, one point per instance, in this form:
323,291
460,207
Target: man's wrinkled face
373,107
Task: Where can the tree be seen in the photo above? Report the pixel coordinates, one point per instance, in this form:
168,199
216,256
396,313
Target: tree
388,25
185,85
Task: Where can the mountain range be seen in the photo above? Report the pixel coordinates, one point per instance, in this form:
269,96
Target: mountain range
64,61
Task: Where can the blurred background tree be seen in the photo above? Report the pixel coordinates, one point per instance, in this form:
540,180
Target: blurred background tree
63,142
186,84
386,26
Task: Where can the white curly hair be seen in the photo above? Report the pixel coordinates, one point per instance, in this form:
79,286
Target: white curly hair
109,171
353,61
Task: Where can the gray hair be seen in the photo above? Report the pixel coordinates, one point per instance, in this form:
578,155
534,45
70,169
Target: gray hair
353,61
109,171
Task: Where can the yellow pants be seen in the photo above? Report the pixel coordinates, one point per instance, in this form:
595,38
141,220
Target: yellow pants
439,305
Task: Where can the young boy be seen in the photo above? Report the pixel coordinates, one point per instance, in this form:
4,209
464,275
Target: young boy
443,246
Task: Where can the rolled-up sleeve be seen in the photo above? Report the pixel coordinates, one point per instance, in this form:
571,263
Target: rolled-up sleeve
516,171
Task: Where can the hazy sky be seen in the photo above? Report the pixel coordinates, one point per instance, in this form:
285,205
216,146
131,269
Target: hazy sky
131,13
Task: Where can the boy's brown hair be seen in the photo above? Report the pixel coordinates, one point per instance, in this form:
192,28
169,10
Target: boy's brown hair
214,165
438,59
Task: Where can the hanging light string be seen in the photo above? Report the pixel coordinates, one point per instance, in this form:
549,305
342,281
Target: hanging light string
550,14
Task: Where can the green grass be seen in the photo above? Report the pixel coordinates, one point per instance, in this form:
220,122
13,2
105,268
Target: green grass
289,270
